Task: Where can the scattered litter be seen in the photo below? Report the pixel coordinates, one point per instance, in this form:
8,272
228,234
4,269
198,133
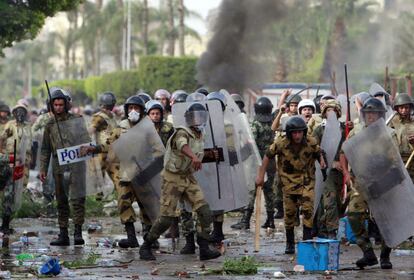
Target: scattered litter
65,272
52,266
106,263
268,270
299,268
155,271
279,275
105,242
94,227
5,274
399,252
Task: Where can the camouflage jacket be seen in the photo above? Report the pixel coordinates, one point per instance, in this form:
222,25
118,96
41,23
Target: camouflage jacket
21,132
314,122
103,123
263,135
296,168
165,130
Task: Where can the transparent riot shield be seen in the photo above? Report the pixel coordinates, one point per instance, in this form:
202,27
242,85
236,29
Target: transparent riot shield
375,88
69,135
245,144
383,181
329,144
141,155
215,178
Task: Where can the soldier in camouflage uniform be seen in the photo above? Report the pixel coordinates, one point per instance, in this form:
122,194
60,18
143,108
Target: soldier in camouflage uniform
403,124
330,209
134,108
15,130
4,116
101,126
296,153
185,151
263,135
238,99
317,118
358,211
52,140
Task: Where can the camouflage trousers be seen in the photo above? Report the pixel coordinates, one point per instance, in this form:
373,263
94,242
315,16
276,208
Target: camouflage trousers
278,190
65,189
126,197
303,201
48,187
268,193
330,209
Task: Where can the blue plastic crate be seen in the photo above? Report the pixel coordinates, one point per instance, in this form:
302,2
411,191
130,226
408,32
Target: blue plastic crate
345,230
318,254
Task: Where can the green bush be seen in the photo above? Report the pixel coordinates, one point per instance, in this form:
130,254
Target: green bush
75,87
171,73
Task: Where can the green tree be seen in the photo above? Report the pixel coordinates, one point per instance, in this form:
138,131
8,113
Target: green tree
23,19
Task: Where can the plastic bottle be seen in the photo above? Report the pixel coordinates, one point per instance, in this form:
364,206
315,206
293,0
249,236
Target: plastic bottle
5,274
404,252
268,270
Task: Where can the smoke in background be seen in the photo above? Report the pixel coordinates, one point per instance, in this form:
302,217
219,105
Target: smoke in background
236,54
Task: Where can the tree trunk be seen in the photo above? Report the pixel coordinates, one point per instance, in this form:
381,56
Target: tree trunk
181,28
97,48
171,39
145,24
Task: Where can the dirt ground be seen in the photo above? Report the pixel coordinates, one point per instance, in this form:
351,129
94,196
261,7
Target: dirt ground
115,263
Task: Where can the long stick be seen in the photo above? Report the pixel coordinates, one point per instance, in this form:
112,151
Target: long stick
348,118
215,147
258,212
409,160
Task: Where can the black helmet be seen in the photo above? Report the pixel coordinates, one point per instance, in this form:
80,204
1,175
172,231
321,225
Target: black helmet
58,93
296,123
4,108
373,105
196,115
263,106
144,96
134,100
217,95
402,99
239,100
203,91
181,97
107,99
294,98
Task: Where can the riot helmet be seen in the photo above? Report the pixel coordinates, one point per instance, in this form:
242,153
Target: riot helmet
154,104
335,105
263,106
134,100
372,105
238,99
20,113
5,108
107,100
204,91
306,103
181,98
402,99
217,95
196,97
296,123
196,116
162,93
294,98
144,96
60,94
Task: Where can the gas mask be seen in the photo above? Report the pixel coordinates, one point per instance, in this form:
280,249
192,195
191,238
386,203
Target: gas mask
133,116
20,114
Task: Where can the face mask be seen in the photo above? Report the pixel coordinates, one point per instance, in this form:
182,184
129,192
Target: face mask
20,115
133,116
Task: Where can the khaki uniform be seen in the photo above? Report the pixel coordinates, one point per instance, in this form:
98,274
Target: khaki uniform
314,122
122,182
51,142
165,130
180,183
403,131
297,172
397,122
330,208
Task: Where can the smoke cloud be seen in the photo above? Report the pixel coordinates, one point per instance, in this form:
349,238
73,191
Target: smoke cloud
236,54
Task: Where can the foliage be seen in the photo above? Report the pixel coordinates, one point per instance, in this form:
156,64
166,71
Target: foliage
246,265
93,207
75,87
23,19
29,208
89,261
167,72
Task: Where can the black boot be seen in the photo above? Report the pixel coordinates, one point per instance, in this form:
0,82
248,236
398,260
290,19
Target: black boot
368,259
5,226
290,241
217,235
270,223
245,220
63,239
174,231
145,252
280,213
131,240
145,230
205,252
77,235
385,258
189,247
307,233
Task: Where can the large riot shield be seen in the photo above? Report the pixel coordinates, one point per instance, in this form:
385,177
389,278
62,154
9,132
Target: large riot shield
383,180
140,152
215,178
70,135
329,144
245,145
